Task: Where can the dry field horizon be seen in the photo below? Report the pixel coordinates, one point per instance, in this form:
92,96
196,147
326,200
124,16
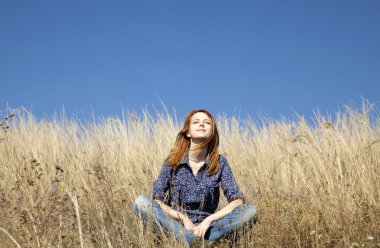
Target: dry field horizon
66,183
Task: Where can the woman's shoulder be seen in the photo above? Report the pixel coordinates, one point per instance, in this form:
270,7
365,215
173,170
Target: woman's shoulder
166,168
222,158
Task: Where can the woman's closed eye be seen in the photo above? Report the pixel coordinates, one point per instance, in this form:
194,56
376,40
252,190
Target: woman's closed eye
195,122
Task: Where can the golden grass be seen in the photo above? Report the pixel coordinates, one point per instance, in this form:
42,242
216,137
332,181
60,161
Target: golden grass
64,183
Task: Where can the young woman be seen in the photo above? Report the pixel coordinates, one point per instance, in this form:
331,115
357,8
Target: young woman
186,192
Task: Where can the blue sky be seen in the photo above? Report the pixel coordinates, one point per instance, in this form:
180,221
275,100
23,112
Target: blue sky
233,57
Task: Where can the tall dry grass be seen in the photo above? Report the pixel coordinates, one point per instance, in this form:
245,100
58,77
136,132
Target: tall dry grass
64,183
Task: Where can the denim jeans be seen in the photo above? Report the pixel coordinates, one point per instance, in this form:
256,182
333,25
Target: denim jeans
145,208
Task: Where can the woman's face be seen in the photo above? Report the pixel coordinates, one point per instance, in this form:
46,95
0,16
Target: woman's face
200,126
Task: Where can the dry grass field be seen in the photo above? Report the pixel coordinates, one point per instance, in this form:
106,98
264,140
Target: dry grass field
65,183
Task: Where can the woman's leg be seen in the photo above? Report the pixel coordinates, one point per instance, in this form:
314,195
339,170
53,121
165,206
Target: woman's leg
238,217
145,209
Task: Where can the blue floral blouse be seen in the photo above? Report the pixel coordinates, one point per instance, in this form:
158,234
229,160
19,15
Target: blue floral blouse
196,196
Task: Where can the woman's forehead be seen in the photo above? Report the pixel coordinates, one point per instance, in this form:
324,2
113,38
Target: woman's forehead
200,116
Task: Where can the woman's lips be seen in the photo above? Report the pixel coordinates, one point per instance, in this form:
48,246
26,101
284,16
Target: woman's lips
203,130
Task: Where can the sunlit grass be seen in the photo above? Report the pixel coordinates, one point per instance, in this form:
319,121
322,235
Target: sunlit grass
64,183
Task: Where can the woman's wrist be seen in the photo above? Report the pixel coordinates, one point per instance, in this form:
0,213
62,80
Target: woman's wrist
209,219
182,217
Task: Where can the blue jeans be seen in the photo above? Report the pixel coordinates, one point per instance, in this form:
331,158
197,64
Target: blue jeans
146,208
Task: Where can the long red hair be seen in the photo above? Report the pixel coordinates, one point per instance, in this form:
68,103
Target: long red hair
182,144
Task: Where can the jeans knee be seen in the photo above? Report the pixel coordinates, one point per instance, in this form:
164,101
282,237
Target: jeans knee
251,213
141,204
251,209
248,212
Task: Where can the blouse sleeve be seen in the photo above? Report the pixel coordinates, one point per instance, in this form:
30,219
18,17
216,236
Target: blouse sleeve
161,185
230,188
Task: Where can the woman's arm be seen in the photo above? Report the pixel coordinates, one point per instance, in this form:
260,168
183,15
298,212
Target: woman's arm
188,224
224,211
170,212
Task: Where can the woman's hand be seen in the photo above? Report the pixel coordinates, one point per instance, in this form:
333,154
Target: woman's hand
188,224
202,228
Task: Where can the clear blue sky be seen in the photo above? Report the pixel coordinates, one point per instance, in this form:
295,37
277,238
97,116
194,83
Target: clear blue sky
272,57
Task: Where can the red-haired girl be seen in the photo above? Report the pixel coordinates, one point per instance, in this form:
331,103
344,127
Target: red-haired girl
186,192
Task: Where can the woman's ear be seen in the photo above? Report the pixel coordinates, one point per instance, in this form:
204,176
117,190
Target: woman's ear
188,135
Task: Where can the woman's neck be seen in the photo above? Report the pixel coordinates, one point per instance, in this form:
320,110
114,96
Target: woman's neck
197,155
